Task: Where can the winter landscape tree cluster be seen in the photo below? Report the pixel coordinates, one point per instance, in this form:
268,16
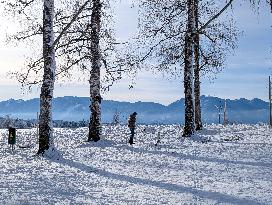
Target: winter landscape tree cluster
183,38
50,160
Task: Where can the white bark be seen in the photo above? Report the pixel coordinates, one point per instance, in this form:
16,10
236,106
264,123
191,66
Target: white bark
198,122
46,96
189,127
95,96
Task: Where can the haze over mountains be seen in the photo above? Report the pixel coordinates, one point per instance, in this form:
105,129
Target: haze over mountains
77,108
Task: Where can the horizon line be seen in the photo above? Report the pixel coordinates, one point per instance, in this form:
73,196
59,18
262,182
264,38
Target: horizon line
116,100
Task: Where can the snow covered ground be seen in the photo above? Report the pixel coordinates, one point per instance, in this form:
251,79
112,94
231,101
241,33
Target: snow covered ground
233,167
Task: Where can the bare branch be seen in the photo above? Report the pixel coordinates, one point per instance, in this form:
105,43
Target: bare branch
70,23
215,17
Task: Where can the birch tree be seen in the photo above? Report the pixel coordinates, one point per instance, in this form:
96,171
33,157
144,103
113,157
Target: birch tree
85,40
198,121
209,57
92,47
46,96
226,35
199,42
189,127
46,29
49,65
95,96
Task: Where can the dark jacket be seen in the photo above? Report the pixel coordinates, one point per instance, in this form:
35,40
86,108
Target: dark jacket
132,121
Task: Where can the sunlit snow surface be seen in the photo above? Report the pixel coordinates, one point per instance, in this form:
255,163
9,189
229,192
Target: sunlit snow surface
234,167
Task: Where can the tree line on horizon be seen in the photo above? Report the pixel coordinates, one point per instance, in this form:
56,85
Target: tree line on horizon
7,122
181,38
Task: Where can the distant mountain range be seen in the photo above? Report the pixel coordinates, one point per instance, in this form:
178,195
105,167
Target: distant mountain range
77,108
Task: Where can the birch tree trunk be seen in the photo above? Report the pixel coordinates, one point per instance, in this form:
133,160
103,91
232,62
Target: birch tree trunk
189,127
95,97
198,122
46,96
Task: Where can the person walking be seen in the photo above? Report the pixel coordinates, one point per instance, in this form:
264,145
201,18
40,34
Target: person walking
132,125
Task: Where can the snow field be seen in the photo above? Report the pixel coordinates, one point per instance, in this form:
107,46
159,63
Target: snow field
234,167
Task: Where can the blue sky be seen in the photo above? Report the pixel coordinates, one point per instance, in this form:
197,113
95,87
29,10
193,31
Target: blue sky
246,73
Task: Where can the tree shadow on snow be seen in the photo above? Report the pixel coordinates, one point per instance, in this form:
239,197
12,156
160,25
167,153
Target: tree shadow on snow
246,143
207,131
219,197
101,143
198,158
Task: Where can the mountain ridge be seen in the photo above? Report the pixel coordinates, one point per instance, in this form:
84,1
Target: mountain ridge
77,108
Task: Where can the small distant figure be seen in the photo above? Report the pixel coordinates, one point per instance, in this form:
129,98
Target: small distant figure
158,139
12,137
132,125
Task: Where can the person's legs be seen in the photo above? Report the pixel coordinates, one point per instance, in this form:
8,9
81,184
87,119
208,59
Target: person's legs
132,132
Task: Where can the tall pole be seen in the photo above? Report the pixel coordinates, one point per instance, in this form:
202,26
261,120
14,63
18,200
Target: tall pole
270,107
219,115
225,113
220,111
